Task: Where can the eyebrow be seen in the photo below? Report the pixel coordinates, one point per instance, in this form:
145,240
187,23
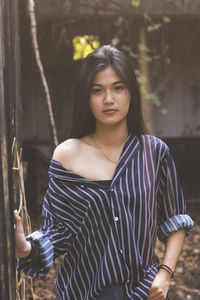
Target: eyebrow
114,83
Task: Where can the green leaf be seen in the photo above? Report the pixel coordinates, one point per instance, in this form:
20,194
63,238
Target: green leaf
140,78
137,71
83,45
129,50
175,2
164,111
156,57
153,98
136,3
166,19
134,55
153,27
126,48
148,59
143,47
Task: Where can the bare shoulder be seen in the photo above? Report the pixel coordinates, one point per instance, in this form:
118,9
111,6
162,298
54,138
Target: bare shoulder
67,150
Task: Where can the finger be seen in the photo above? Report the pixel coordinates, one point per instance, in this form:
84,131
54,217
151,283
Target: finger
154,293
159,297
17,217
18,222
156,296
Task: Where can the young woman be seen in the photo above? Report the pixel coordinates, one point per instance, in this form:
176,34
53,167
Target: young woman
112,190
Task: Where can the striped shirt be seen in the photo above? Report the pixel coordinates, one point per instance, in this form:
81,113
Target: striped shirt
108,234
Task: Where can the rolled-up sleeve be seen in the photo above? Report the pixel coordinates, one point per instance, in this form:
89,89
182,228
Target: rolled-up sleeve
172,214
53,239
39,265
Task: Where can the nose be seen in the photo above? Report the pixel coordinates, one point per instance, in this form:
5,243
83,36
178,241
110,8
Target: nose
108,97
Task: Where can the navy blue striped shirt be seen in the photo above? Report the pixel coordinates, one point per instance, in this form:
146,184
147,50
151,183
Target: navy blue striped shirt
108,234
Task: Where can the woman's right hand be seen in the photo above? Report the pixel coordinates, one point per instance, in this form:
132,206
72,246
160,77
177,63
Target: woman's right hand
22,246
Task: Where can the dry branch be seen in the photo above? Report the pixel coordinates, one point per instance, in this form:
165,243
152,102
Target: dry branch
31,10
25,283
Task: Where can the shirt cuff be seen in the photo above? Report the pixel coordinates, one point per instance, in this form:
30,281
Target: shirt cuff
173,224
38,266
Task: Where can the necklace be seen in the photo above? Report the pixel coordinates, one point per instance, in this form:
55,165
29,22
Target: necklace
108,158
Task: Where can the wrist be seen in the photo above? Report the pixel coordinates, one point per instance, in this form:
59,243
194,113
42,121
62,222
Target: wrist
26,251
164,274
167,269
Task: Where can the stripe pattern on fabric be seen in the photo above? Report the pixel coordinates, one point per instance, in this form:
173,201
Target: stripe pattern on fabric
108,234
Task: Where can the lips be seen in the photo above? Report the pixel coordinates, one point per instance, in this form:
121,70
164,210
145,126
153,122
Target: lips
110,111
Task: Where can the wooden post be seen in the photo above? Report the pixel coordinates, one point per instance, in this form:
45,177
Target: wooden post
9,113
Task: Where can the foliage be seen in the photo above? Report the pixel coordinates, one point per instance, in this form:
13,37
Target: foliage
143,47
150,96
142,79
83,45
166,19
153,27
157,26
149,55
175,2
136,3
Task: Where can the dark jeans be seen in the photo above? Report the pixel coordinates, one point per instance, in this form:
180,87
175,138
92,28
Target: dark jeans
114,292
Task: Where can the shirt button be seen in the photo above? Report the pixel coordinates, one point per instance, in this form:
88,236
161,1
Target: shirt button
121,251
82,186
116,219
112,190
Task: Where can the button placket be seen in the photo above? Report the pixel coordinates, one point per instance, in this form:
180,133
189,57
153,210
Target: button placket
116,220
116,223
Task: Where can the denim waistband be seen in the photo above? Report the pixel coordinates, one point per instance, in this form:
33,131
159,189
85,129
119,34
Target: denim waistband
115,292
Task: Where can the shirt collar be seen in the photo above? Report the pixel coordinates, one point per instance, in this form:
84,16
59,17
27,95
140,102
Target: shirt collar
131,147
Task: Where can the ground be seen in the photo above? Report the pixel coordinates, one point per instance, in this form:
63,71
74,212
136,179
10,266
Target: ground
184,286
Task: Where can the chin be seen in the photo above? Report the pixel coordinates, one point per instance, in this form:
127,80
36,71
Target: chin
111,122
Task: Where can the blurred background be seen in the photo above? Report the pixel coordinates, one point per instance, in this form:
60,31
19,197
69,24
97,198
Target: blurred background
162,39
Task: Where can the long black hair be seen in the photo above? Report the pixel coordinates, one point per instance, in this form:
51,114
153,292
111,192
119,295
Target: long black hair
83,119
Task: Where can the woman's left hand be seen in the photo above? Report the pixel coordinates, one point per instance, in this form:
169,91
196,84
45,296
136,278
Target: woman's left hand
160,286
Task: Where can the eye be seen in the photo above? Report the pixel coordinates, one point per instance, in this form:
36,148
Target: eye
96,91
119,88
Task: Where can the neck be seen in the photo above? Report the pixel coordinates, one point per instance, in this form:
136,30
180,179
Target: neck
111,135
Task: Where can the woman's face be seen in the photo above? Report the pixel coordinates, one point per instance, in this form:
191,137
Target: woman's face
109,98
